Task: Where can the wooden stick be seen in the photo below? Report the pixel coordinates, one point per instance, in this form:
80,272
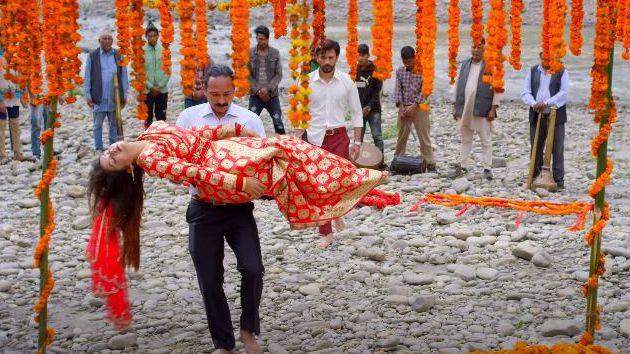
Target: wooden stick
532,158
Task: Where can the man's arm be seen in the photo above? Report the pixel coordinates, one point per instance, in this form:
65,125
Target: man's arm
87,79
125,82
398,89
253,82
526,95
256,125
376,93
354,105
560,98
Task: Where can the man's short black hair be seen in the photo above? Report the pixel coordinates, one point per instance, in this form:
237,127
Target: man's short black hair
151,28
218,71
329,44
262,30
407,52
364,49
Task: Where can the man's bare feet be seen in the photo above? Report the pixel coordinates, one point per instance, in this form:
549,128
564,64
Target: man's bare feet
339,224
249,340
325,241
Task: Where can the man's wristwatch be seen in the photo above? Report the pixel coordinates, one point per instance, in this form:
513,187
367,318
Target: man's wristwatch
358,143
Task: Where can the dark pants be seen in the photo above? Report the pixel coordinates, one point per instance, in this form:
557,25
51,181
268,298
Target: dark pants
557,150
189,102
374,119
157,107
339,144
208,226
272,106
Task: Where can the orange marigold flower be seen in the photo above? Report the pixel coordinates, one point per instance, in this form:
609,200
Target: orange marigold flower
453,39
352,50
382,34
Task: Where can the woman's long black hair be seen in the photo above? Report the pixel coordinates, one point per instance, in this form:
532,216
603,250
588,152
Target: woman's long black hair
126,194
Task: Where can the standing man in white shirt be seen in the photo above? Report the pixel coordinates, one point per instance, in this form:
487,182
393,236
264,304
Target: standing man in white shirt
333,93
475,107
541,91
210,224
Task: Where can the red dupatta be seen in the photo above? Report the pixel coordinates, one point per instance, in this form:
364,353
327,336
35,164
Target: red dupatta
108,273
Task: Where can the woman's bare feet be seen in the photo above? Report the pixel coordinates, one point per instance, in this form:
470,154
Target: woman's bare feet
339,224
385,177
249,340
325,241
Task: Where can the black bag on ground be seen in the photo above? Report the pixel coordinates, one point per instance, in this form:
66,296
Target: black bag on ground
408,165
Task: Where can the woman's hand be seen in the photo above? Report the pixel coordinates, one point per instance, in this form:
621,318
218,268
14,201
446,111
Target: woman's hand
254,188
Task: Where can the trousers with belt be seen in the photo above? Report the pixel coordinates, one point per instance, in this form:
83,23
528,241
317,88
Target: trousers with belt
422,124
209,225
557,153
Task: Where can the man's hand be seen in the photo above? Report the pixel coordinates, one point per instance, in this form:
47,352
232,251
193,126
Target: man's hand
408,113
366,111
354,151
539,107
3,107
492,114
298,133
455,113
90,103
24,104
263,92
123,102
155,90
401,111
254,188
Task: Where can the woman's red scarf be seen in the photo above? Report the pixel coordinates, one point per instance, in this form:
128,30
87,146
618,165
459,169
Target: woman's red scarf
108,273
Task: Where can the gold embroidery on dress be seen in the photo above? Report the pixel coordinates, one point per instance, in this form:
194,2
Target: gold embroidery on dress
161,166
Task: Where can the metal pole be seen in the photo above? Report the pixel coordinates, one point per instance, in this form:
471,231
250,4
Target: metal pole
43,221
120,135
602,157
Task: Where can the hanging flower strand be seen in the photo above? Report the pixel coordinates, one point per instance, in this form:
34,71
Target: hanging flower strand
299,114
352,50
382,35
418,31
557,48
185,10
239,14
279,18
577,16
544,34
202,33
137,63
453,39
166,22
319,21
516,8
123,38
429,36
476,27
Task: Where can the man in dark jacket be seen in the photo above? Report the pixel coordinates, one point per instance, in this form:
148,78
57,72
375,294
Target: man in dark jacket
265,74
370,96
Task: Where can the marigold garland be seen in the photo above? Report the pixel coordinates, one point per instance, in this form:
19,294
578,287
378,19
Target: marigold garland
168,32
623,33
123,36
202,33
299,113
544,35
603,44
185,11
239,14
382,34
279,18
476,27
136,20
429,36
352,50
557,48
577,17
516,9
522,348
453,39
319,21
497,39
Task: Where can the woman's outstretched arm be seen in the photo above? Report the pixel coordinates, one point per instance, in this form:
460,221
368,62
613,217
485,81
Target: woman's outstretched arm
224,131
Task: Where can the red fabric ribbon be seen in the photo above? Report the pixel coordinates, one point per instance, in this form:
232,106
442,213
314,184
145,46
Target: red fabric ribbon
380,199
108,274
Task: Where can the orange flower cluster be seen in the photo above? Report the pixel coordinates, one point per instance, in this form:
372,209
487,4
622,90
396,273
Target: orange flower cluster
299,113
429,36
239,14
319,21
522,348
279,18
497,39
382,35
202,33
17,20
185,10
557,48
603,45
453,39
352,50
476,28
48,133
577,17
168,32
539,207
544,34
136,19
63,67
123,37
623,27
419,25
516,8
604,131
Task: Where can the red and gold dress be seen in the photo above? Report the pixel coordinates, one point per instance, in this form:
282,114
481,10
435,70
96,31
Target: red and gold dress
310,185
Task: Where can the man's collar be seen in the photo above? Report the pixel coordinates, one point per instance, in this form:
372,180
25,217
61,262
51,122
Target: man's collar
111,51
317,77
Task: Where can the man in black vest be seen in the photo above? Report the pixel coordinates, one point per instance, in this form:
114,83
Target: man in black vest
541,91
475,107
100,68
